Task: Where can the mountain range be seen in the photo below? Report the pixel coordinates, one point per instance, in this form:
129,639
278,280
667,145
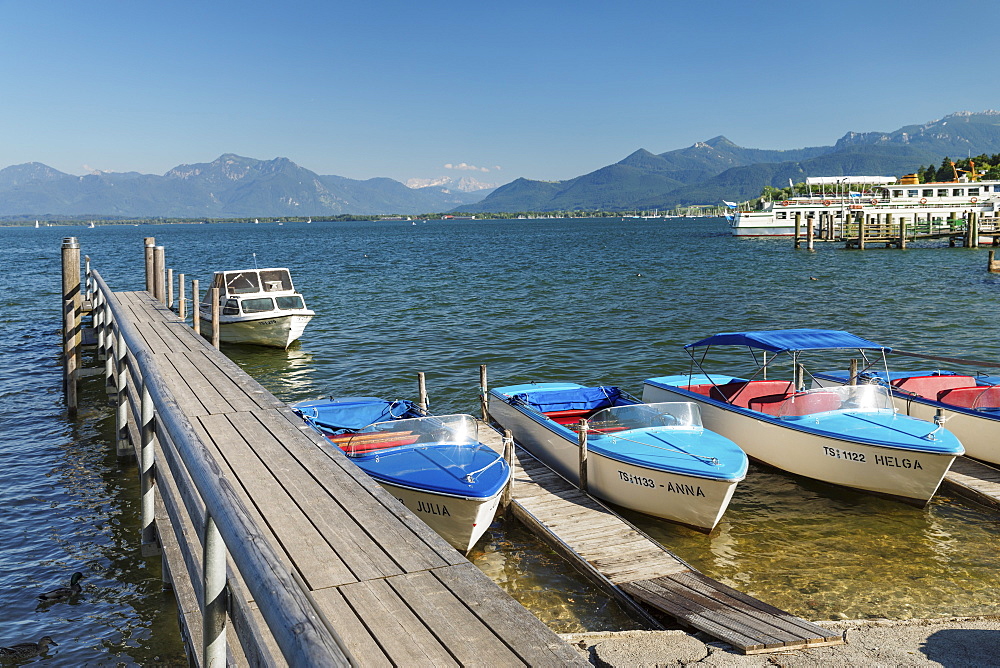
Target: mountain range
711,171
705,173
229,187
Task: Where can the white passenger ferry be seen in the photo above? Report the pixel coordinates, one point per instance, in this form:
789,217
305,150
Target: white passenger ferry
842,197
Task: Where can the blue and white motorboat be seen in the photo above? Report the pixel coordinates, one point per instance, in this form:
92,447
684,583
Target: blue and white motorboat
657,458
434,465
969,405
847,435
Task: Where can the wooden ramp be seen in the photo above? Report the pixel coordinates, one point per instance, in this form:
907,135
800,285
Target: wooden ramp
633,567
394,591
974,480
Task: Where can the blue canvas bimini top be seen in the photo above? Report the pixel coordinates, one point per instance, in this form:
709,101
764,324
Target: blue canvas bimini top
353,413
783,340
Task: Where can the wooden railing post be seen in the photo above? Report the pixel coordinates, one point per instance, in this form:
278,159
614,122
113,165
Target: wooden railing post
71,307
122,446
508,456
583,454
147,473
214,607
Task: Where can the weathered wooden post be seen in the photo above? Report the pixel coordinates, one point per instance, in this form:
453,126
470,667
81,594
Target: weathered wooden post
122,447
854,372
150,245
159,267
215,317
993,266
422,391
810,232
483,396
583,454
195,307
902,231
508,456
181,305
973,230
215,601
147,435
861,232
170,288
71,307
798,225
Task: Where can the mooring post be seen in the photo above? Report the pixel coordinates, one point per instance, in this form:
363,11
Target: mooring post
993,266
215,603
195,307
798,225
973,230
583,454
71,307
181,306
902,230
861,232
170,288
159,262
508,456
483,396
215,317
150,245
147,432
854,372
810,233
422,391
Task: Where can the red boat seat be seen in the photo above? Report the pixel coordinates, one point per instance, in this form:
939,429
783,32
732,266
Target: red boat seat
971,397
572,416
929,387
742,392
363,443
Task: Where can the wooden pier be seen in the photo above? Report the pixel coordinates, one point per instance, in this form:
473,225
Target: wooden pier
635,569
860,231
279,549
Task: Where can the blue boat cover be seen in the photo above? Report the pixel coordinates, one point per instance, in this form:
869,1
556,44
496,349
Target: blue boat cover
353,413
580,398
782,340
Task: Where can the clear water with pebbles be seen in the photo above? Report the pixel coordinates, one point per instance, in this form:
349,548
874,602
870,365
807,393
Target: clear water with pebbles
593,301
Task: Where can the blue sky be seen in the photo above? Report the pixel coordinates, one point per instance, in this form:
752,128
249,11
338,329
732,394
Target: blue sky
545,89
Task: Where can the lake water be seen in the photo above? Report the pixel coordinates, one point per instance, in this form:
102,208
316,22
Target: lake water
592,301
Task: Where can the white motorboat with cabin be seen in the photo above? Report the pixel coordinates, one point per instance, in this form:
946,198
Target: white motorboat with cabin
940,207
256,306
849,435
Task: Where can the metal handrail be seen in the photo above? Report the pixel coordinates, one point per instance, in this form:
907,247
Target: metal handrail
296,625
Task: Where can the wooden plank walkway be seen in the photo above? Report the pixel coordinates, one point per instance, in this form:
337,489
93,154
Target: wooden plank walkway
974,480
394,590
633,567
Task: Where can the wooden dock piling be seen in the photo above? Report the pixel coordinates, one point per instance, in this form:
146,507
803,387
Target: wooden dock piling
993,266
71,312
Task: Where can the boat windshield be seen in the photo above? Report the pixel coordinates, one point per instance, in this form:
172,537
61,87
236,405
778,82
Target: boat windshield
862,398
433,430
677,414
242,282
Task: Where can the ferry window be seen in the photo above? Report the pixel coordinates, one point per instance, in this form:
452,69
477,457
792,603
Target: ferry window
231,307
957,192
942,192
897,193
289,303
912,193
928,192
257,305
973,192
782,215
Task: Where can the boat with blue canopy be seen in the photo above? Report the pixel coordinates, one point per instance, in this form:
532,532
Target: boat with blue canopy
968,403
435,465
848,435
656,458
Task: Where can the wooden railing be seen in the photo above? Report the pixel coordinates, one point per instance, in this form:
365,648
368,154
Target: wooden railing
170,447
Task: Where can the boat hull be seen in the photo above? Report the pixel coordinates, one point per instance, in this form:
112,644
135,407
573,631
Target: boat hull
276,331
905,475
461,521
692,501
